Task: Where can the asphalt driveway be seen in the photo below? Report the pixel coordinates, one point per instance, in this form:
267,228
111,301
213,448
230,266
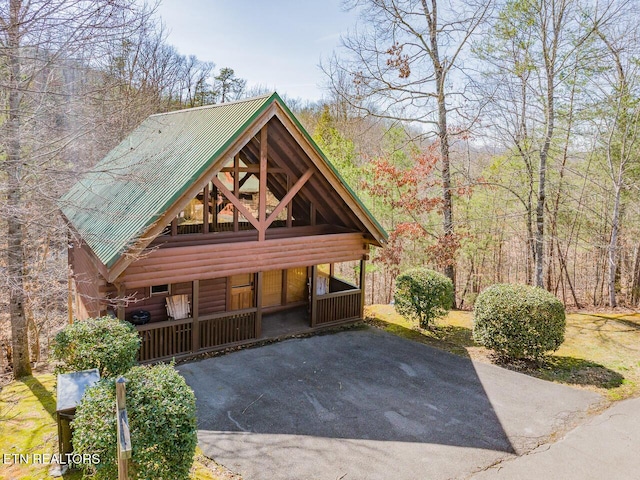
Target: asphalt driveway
364,404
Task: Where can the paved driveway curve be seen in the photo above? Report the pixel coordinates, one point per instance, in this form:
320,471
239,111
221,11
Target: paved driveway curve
364,404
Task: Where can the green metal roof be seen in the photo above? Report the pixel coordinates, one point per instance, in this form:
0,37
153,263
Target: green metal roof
126,192
147,172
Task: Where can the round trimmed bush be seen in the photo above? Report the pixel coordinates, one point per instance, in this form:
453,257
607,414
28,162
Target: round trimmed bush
162,419
423,295
518,321
105,343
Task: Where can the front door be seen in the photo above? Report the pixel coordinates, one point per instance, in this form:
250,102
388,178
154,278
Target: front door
272,288
242,292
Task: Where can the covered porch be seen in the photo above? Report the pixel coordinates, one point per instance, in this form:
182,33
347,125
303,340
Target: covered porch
255,309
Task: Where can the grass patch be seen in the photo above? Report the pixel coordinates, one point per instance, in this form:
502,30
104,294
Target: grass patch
601,352
28,426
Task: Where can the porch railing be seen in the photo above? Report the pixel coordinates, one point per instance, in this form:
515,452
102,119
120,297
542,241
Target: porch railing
221,329
165,339
339,306
177,338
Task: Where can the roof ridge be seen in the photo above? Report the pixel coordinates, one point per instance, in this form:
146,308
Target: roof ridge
215,105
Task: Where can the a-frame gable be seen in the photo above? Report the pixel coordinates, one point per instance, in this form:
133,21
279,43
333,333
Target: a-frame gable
270,141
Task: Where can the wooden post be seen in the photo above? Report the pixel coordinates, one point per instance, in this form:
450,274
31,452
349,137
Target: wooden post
195,326
363,273
289,205
258,330
236,189
262,204
214,201
206,197
124,437
314,294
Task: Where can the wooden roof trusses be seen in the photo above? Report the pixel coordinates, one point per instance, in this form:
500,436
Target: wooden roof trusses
262,222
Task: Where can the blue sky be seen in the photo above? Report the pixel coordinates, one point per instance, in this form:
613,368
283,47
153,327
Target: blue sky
274,43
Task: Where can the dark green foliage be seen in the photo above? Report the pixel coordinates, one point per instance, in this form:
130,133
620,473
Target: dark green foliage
162,418
423,295
518,321
106,343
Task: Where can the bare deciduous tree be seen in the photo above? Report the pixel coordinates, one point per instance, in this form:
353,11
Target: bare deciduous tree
404,63
37,37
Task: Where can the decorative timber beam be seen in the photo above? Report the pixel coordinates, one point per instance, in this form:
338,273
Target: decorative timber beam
236,203
253,169
289,196
244,180
262,205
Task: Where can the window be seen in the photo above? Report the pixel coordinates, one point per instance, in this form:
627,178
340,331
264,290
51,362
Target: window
160,289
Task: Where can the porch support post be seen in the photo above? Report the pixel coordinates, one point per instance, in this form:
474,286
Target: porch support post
289,205
363,274
206,198
314,295
258,331
195,325
236,189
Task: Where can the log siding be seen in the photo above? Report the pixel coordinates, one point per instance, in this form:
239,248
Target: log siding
181,264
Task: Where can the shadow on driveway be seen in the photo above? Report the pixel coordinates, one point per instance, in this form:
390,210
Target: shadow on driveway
366,404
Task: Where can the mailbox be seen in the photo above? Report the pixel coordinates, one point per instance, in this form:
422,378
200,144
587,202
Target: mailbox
70,389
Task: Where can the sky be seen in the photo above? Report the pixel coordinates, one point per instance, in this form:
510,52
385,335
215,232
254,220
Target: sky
277,44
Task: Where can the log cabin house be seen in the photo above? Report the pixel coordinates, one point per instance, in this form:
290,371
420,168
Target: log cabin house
214,220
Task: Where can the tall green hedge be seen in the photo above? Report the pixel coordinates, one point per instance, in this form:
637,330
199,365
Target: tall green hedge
162,419
105,343
518,321
423,295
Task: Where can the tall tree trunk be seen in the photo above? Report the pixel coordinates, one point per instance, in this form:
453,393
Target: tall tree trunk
613,248
13,171
635,284
443,136
542,174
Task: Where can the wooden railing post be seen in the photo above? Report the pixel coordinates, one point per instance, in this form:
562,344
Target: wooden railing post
258,297
124,438
195,326
363,274
314,295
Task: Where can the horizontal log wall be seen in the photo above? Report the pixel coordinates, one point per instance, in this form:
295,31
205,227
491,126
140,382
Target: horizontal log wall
87,283
213,296
179,264
139,299
156,305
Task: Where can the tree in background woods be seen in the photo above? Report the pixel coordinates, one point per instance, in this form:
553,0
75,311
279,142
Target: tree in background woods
618,130
553,154
36,38
400,65
76,76
227,86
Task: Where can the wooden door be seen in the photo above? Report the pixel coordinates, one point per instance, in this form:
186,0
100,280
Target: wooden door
297,290
272,288
242,291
